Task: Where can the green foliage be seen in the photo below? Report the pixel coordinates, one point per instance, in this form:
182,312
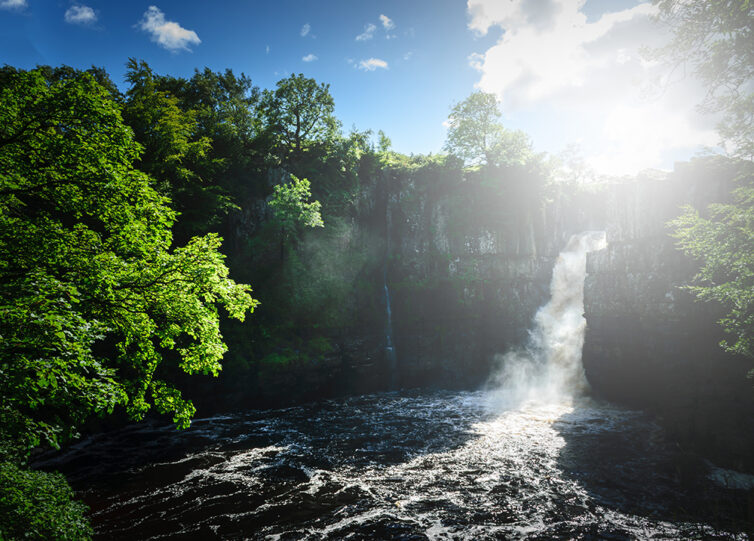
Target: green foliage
724,242
299,114
384,143
92,297
291,207
177,152
226,111
715,37
165,130
476,135
36,505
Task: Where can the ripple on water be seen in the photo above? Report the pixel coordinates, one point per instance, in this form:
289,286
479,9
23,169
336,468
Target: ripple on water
390,466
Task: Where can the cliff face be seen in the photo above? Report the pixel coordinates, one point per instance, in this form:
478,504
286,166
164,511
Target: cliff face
467,260
648,342
469,263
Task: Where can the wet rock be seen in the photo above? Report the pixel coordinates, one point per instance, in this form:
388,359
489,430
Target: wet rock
648,342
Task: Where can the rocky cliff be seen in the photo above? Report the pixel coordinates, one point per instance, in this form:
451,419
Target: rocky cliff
649,344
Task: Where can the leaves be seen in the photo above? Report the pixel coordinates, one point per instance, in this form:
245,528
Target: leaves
93,298
476,135
714,38
724,243
299,113
289,205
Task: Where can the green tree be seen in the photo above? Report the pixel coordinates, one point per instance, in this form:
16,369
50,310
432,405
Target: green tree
384,142
178,153
93,299
724,243
476,134
714,38
226,113
164,129
39,506
299,113
293,211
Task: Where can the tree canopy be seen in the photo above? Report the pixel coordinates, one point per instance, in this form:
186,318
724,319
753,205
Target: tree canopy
93,297
476,134
299,112
715,38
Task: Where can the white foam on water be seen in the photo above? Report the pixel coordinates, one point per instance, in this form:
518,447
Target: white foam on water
549,367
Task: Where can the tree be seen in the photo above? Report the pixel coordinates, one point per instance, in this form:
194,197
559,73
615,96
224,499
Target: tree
93,299
476,135
38,505
724,243
384,142
292,210
715,38
299,112
226,113
177,153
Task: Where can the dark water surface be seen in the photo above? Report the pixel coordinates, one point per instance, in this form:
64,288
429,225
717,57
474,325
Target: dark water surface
441,465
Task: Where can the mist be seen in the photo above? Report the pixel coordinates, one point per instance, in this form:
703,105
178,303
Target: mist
548,367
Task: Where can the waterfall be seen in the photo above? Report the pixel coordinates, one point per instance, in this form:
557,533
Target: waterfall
389,347
549,366
390,355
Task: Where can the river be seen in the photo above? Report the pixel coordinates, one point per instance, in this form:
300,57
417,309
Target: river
529,457
432,465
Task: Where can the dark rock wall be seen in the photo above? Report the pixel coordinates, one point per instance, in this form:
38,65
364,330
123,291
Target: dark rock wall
649,344
468,267
468,261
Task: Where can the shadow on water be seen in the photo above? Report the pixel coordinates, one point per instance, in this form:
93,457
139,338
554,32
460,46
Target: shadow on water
408,466
625,464
231,477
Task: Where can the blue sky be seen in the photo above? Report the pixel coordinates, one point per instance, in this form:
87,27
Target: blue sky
395,65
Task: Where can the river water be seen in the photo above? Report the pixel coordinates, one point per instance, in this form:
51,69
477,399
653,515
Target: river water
531,457
438,465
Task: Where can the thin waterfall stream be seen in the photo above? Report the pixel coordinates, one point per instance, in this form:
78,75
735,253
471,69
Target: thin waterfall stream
390,354
529,458
389,347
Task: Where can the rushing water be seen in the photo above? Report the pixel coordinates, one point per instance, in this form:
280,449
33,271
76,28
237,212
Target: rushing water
530,458
390,355
549,365
399,466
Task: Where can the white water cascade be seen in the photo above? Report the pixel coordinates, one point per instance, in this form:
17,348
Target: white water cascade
389,347
390,355
549,367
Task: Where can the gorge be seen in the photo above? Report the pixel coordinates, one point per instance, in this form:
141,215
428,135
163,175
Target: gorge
530,457
224,317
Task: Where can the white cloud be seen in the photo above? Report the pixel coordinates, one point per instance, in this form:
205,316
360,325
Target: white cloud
80,14
305,30
368,32
167,34
13,4
635,140
372,64
550,56
267,50
309,58
387,22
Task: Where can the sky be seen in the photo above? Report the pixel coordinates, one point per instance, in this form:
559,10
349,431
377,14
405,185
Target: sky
569,73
